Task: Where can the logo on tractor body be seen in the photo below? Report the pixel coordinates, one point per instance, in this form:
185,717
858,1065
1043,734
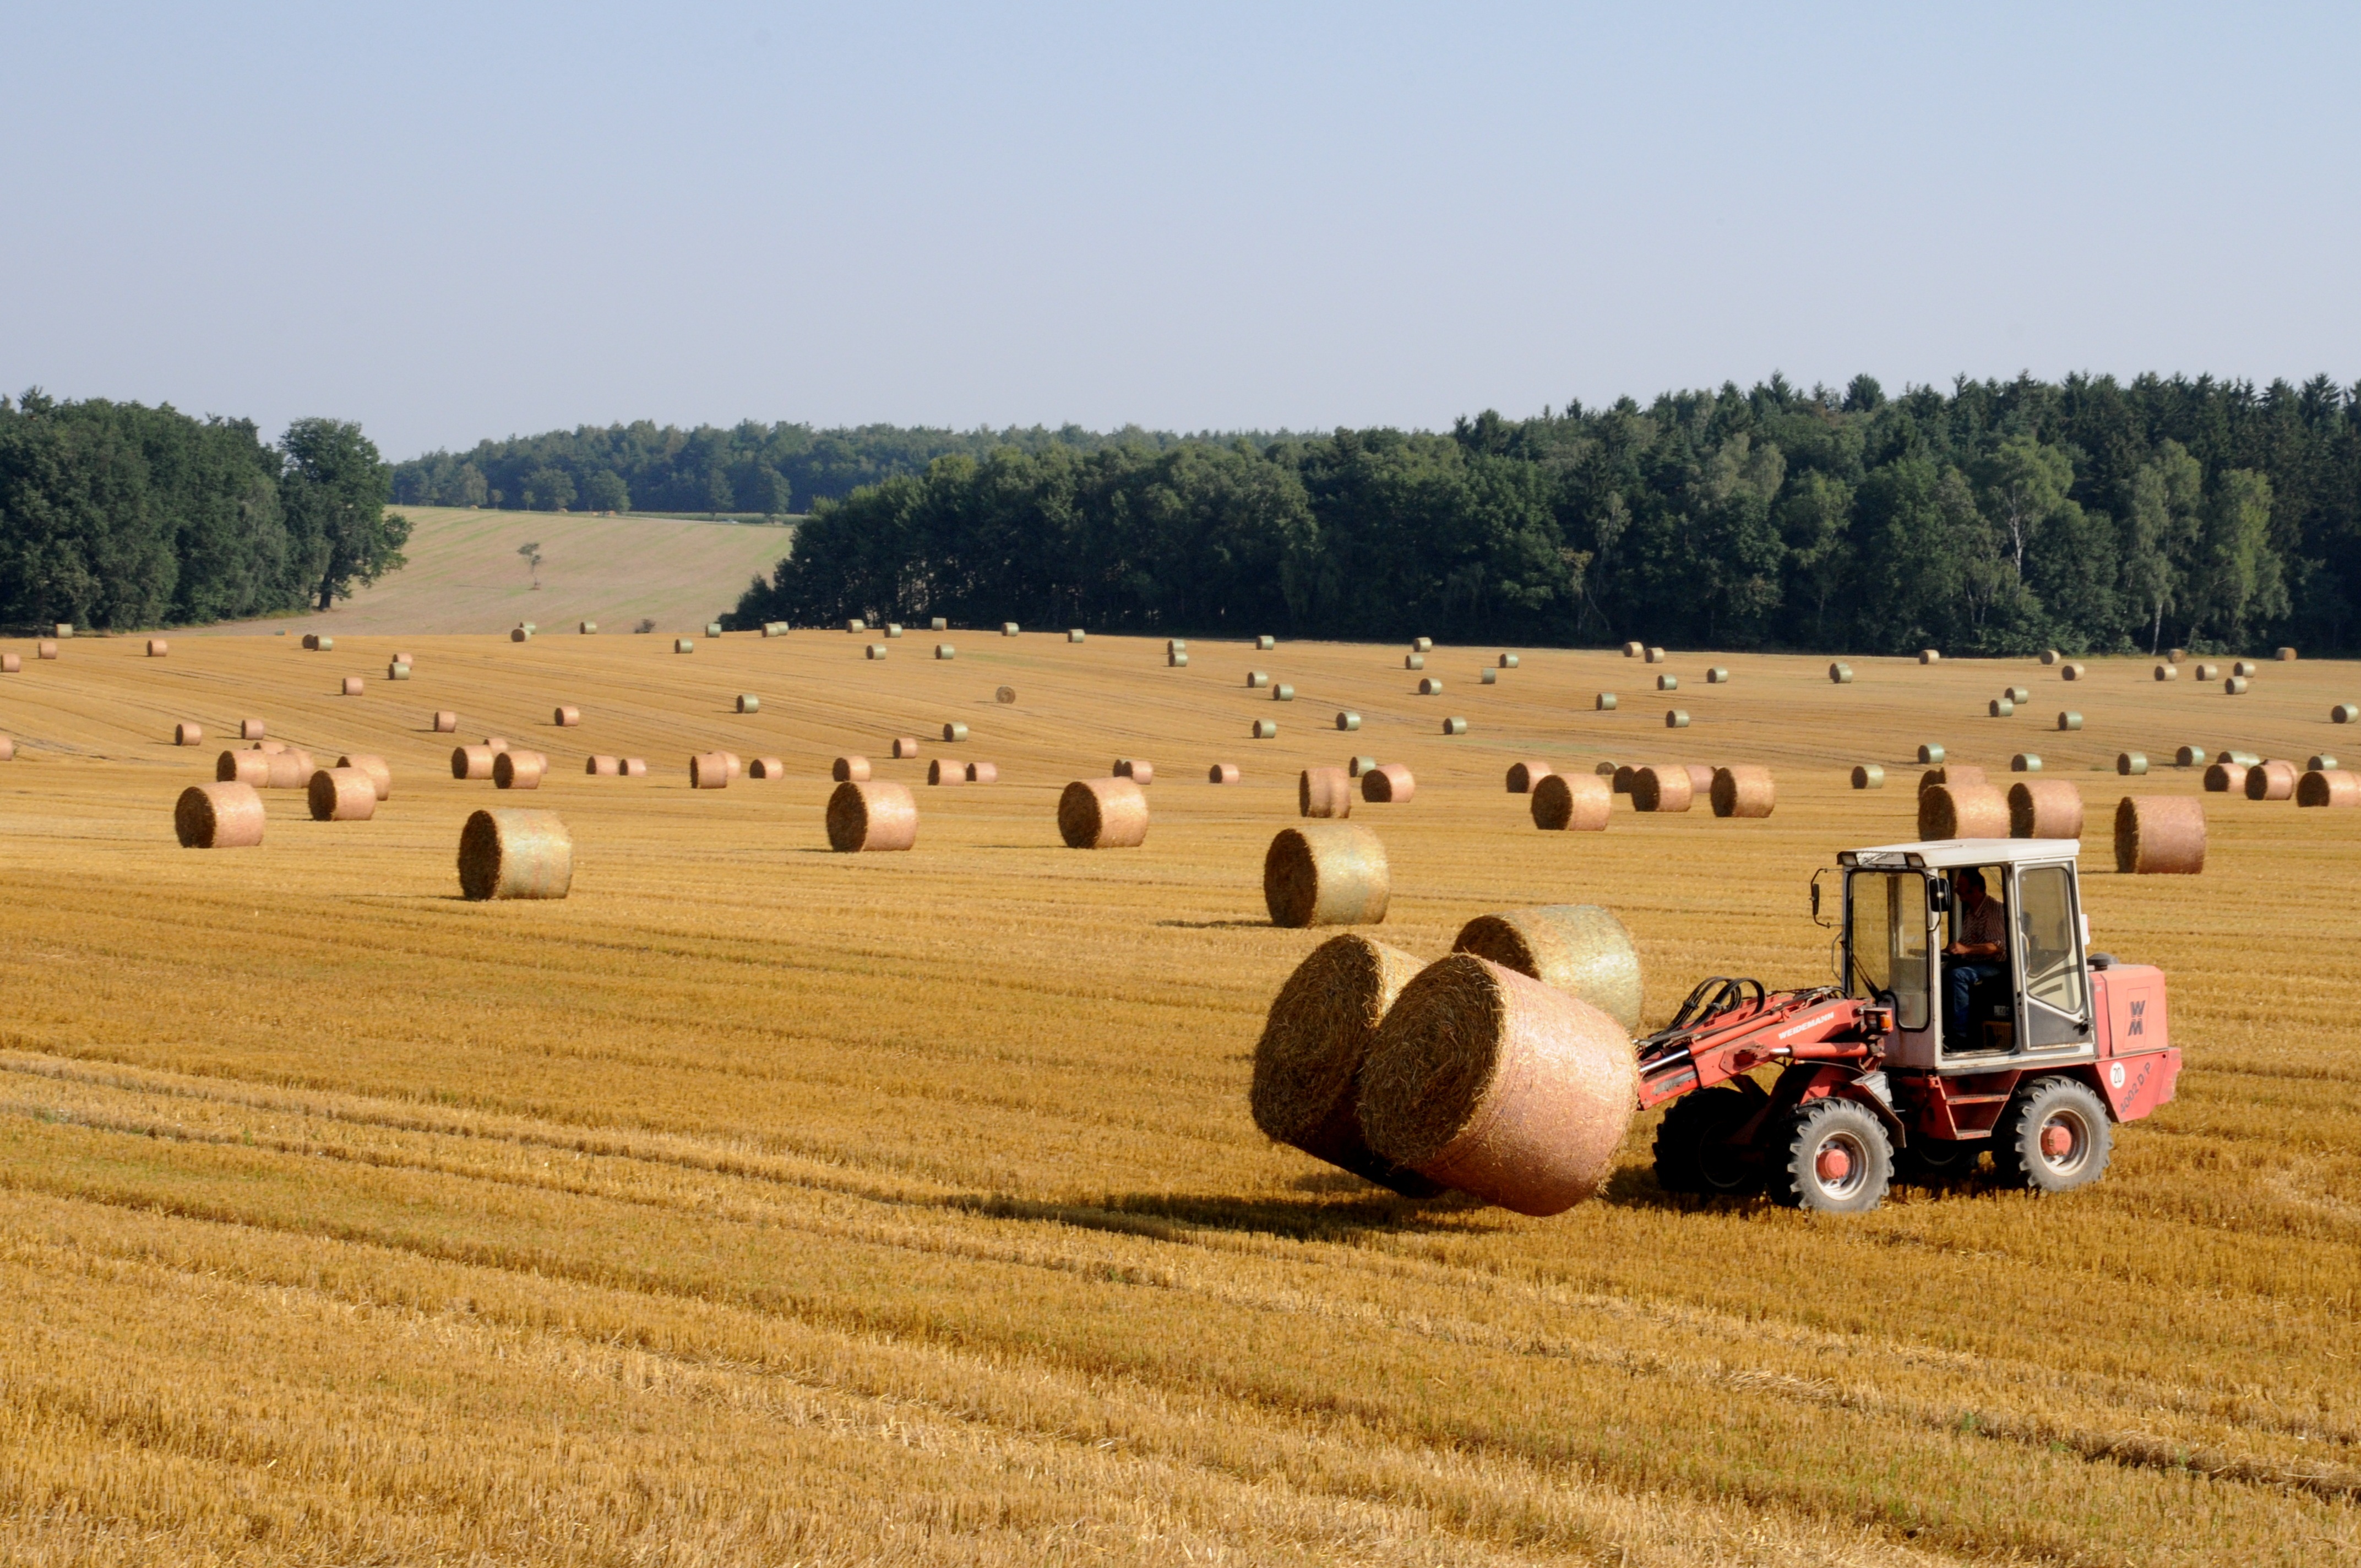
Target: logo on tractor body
2139,1016
2115,1075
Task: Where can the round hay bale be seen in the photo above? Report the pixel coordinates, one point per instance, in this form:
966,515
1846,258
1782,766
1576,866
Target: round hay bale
1360,766
1414,661
188,735
1523,776
635,767
1716,676
397,672
44,648
1265,642
2287,656
1656,656
1633,650
291,769
1330,873
1324,791
2176,655
2346,713
472,761
2001,707
352,686
1222,772
1604,702
2051,656
1930,656
713,628
875,651
310,641
904,748
709,770
518,634
1580,949
2160,835
1004,694
1102,813
566,718
1620,776
403,659
2017,693
937,623
2130,764
7,749
518,770
1700,779
2328,787
983,773
749,703
602,766
2072,671
1507,661
445,722
1176,661
2168,672
270,747
1962,811
1930,755
1073,634
879,816
1868,775
251,769
1307,1064
2025,762
1348,721
955,732
1424,644
2234,686
1668,682
2273,781
1009,628
943,771
1430,687
2244,759
249,729
856,626
2191,757
510,853
2044,808
590,628
1579,803
1487,677
1265,730
768,769
158,647
1137,770
2226,778
1743,792
342,794
2321,763
1257,679
1840,674
380,776
850,770
223,815
2245,668
1661,788
1489,1081
1388,783
2207,671
496,743
1176,645
1678,719
2070,720
12,664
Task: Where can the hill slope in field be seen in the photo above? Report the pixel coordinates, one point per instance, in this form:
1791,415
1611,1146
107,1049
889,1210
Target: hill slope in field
464,574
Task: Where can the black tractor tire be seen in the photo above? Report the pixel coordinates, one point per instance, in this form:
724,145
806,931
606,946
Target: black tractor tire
1691,1153
1835,1159
2054,1137
1936,1162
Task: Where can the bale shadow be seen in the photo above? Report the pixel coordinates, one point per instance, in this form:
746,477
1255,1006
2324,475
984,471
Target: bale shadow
1219,925
1168,1215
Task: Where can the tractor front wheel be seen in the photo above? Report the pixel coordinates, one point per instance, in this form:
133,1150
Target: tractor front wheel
1836,1160
1694,1153
2055,1137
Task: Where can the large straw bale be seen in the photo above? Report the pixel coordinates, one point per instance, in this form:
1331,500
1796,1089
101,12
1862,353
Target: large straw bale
1676,719
2242,759
850,770
2191,756
1455,725
1265,642
1507,661
2287,656
1177,661
769,769
1265,729
44,648
2025,762
2321,763
1414,661
1840,674
2044,808
2168,672
1656,655
2160,834
1962,811
12,664
2072,671
1523,776
872,816
291,769
1930,755
2274,780
1930,656
2226,778
1604,702
506,852
1429,685
1389,782
2130,764
472,761
1346,719
380,774
158,647
944,771
342,794
1700,779
1744,791
565,716
1004,694
1717,674
1662,787
1326,873
2051,656
2329,786
2206,671
223,815
983,773
188,735
7,748
1324,791
1422,644
2234,686
1222,773
955,732
1868,775
1306,1066
1359,765
1488,677
1489,1081
352,686
1579,803
1102,813
709,770
513,769
397,670
601,765
1138,769
1633,650
1668,682
2000,707
251,769
904,748
2017,693
445,722
875,651
1580,948
2245,668
250,729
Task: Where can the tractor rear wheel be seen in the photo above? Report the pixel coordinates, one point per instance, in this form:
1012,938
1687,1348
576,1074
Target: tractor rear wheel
1693,1151
2054,1137
1836,1158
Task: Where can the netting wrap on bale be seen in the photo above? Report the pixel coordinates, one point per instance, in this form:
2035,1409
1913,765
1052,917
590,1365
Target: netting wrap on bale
1326,873
1496,1084
1102,813
1743,792
1306,1066
2274,780
1962,811
2044,808
872,816
2159,833
506,852
342,794
1580,803
1580,948
1324,791
222,816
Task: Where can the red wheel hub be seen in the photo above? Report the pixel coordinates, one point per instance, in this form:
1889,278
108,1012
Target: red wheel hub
2057,1141
1833,1165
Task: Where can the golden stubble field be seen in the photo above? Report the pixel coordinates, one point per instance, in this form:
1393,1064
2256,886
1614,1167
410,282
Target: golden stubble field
757,1204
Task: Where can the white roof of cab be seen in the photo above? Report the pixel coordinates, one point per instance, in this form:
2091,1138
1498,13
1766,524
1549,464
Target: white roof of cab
1943,853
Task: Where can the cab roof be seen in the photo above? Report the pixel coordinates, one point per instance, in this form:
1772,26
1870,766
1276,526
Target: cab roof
1942,854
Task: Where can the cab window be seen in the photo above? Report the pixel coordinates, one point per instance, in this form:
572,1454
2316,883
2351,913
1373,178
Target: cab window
1888,937
2045,937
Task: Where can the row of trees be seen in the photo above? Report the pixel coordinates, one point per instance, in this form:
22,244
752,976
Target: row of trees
1996,518
115,515
751,468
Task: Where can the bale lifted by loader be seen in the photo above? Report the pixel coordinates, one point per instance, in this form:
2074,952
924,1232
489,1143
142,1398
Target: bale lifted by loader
2053,1049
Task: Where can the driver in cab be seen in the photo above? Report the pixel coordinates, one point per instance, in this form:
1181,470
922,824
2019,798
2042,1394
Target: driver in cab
1979,953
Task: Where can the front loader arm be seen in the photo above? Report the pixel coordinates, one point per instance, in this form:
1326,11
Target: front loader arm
1728,1027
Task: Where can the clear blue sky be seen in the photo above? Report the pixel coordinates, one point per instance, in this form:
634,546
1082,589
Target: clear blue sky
457,221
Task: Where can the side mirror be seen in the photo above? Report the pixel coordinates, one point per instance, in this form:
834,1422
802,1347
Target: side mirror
1817,920
1938,893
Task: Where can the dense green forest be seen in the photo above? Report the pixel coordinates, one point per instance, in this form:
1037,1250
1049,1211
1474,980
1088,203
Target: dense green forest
115,516
2000,517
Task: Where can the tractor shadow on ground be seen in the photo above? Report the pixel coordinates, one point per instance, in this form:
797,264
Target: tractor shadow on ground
1355,1208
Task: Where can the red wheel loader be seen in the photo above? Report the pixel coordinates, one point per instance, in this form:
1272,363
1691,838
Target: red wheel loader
1935,1047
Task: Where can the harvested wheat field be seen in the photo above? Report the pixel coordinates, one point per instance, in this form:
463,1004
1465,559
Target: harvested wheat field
758,1203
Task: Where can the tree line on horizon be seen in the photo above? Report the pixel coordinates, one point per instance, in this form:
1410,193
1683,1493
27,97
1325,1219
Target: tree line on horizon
1999,518
116,515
